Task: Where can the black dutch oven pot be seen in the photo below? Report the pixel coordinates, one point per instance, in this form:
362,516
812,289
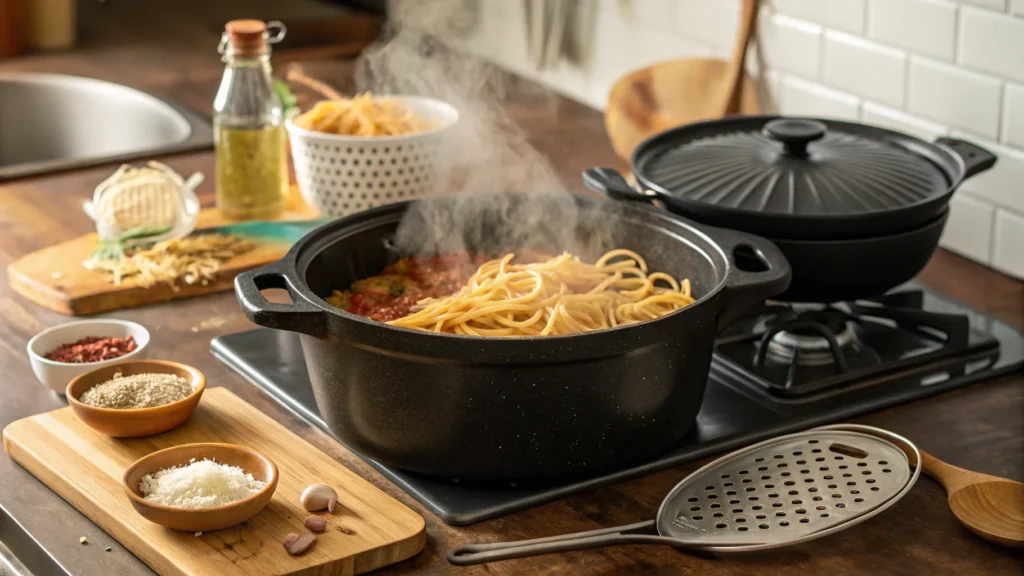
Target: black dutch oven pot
856,209
511,408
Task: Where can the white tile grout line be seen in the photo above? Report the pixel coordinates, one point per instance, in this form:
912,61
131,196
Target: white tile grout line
958,32
1001,111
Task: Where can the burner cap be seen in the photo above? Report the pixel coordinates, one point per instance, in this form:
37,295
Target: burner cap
806,339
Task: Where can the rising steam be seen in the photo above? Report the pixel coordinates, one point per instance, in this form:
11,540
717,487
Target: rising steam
487,154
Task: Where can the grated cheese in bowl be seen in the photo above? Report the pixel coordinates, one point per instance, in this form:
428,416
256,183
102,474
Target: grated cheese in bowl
200,484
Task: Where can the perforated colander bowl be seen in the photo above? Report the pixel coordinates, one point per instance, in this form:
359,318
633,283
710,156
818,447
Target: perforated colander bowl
340,175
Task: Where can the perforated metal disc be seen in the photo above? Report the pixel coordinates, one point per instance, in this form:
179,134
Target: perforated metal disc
785,489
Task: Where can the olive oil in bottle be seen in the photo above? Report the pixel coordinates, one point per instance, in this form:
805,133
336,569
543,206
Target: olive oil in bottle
252,167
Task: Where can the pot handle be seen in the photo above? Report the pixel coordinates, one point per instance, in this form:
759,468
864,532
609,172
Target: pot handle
299,316
976,159
639,533
610,183
757,271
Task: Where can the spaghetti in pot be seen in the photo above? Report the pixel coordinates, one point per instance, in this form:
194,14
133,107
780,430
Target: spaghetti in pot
557,296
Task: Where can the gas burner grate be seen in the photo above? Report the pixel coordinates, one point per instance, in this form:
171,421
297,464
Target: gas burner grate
793,351
814,338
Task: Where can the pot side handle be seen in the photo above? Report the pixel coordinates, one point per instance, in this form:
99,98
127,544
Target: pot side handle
610,183
757,271
976,159
298,316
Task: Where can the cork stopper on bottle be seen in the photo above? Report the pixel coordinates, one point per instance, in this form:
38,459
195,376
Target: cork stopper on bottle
247,37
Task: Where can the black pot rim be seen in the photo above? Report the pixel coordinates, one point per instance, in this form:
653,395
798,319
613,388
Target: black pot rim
304,252
729,291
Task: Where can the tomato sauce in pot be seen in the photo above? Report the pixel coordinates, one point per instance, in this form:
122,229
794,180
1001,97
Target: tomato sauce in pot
395,291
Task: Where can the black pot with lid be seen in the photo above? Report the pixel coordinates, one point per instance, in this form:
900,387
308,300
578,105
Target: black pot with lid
822,190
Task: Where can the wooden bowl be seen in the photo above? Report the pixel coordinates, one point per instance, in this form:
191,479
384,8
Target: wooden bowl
132,423
202,519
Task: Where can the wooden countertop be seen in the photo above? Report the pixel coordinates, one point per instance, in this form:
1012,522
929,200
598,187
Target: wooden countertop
980,427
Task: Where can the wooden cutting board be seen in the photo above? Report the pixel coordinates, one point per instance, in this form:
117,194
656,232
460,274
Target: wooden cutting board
55,278
369,530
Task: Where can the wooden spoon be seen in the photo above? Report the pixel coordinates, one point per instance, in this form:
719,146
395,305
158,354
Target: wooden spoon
989,506
682,91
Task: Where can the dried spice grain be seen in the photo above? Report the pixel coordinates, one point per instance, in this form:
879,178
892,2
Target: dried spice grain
137,391
92,349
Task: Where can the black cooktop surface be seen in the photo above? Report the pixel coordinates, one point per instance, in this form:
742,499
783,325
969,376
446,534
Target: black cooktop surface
737,409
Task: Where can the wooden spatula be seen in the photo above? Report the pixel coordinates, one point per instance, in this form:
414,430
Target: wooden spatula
989,506
678,92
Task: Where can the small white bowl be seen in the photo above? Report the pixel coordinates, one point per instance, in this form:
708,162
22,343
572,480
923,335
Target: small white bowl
340,174
56,375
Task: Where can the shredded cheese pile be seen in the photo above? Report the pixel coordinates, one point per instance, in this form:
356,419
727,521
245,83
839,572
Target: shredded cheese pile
201,484
195,259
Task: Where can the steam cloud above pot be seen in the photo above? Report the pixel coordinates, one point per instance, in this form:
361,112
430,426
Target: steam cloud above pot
485,154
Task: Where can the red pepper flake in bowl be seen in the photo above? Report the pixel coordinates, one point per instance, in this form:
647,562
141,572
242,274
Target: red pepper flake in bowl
92,349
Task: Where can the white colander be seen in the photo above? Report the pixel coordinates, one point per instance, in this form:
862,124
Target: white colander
340,175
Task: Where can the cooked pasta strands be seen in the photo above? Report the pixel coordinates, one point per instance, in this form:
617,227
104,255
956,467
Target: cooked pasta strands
362,115
558,296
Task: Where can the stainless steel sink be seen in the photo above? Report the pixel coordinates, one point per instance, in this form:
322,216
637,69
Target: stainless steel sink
51,122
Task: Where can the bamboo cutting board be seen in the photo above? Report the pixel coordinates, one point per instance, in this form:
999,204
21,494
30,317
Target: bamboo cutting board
368,530
55,278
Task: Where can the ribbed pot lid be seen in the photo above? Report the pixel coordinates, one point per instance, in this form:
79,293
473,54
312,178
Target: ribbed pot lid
793,166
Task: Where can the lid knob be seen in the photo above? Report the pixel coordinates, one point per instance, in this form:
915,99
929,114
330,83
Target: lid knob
794,133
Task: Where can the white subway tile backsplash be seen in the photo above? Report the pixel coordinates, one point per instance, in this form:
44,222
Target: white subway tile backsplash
999,5
631,47
790,44
713,22
954,96
969,228
1008,244
845,15
992,42
803,98
928,68
847,57
1003,183
879,115
1013,115
926,26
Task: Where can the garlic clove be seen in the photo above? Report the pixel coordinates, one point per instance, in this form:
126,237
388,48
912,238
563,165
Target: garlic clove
300,544
315,523
318,497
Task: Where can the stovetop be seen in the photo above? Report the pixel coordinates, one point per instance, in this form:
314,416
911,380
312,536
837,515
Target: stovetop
851,359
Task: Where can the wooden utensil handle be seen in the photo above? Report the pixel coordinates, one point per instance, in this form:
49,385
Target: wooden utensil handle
951,477
748,23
